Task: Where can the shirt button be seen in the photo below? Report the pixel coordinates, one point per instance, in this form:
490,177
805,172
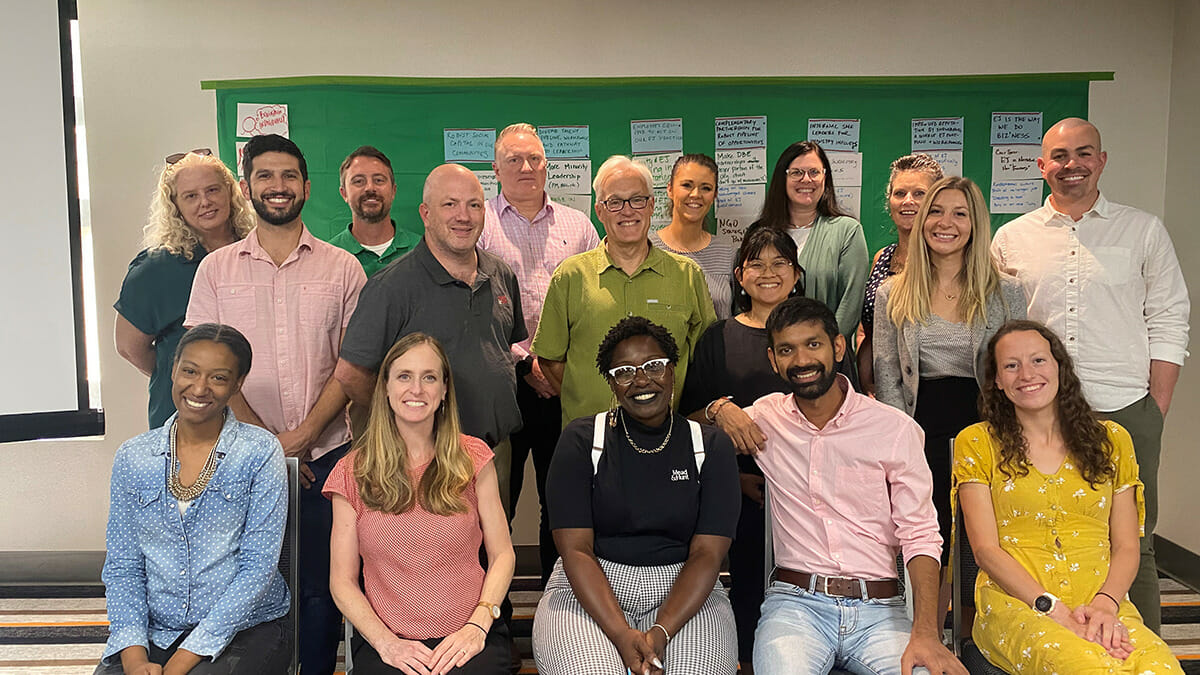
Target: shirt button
1071,339
1071,280
828,522
182,572
1071,310
1071,253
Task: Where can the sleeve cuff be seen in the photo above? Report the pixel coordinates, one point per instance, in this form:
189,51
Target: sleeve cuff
122,638
1168,353
930,549
203,643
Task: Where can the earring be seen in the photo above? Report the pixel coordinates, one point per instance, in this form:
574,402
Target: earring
613,410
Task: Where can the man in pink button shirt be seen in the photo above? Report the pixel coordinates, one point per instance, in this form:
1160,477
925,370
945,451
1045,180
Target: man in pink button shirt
291,295
849,486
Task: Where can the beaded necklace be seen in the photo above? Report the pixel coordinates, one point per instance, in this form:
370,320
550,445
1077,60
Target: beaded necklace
191,492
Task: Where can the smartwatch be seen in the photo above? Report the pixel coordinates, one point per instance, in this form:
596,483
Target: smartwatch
1044,604
493,609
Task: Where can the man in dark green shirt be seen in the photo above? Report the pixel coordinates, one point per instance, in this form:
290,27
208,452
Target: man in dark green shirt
369,187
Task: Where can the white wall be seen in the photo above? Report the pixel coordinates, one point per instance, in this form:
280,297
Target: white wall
1180,470
142,62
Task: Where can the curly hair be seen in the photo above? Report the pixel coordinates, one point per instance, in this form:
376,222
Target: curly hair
165,227
631,327
1083,433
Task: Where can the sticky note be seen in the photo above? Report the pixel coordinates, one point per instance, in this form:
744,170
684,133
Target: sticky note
469,145
1016,128
834,134
567,141
491,187
740,132
746,165
569,176
950,160
846,168
1016,162
1015,196
937,133
257,119
656,136
849,199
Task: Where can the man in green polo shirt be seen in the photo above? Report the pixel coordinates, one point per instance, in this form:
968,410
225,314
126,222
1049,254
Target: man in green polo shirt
623,276
369,187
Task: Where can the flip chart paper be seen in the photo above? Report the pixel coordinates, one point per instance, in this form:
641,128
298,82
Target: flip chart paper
567,141
748,165
1016,162
1016,196
737,207
849,199
834,134
1016,128
577,202
655,136
571,176
662,210
846,167
660,166
951,161
937,133
491,186
740,132
257,119
469,145
240,147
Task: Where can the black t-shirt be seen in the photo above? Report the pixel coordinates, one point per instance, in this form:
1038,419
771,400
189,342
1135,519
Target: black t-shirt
643,509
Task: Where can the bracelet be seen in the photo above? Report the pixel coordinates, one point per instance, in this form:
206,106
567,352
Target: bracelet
710,413
664,630
472,623
1115,601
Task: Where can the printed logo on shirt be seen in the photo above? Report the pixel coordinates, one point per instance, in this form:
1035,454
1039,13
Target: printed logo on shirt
678,475
502,300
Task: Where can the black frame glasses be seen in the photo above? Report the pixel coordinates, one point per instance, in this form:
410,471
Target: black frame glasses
632,201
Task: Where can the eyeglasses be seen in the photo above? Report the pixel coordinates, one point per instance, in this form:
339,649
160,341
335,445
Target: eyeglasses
174,158
777,267
615,204
797,174
654,369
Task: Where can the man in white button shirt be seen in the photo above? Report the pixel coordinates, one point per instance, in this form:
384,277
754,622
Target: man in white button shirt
1104,276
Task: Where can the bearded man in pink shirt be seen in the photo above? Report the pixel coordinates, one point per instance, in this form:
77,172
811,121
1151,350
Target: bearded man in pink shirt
849,487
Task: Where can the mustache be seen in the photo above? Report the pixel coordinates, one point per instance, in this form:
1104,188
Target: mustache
279,193
795,372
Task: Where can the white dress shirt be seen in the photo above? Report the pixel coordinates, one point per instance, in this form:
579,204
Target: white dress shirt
1109,285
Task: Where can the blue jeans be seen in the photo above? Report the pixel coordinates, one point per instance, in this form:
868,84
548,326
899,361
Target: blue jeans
319,619
803,631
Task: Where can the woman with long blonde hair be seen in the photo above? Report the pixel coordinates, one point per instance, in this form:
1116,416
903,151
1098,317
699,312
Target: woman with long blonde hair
412,503
933,321
196,209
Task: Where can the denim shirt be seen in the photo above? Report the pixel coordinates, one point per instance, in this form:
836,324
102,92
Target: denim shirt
212,570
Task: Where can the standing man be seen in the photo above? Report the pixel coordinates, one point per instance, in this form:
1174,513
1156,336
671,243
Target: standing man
369,187
1105,278
466,298
849,486
526,229
623,276
291,295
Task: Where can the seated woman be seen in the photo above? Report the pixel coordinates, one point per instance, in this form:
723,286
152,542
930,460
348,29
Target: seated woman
195,528
643,504
197,208
692,190
731,372
413,501
1053,509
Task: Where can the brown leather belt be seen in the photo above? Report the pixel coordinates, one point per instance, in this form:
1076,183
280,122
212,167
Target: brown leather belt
842,587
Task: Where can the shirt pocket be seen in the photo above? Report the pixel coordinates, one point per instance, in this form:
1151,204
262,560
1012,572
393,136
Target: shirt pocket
670,315
861,491
1113,265
237,306
227,502
148,509
320,305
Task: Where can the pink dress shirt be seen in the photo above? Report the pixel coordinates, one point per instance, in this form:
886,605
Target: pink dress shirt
293,315
534,249
844,498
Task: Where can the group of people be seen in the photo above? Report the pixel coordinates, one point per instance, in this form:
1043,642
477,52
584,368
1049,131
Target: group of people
667,385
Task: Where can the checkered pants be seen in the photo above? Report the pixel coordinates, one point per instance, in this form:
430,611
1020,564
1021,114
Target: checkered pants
567,641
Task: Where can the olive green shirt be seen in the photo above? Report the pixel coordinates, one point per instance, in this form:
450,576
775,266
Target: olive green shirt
589,294
403,241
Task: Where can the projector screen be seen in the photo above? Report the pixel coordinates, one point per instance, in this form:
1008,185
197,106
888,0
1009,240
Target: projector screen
41,302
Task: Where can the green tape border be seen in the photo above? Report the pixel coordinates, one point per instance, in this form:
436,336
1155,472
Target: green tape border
906,80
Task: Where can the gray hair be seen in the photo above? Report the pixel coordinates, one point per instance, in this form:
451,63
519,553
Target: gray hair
621,164
518,128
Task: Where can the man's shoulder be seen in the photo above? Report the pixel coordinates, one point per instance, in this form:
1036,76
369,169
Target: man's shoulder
877,412
581,263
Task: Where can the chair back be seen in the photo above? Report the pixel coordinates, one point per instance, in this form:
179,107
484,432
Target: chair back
289,556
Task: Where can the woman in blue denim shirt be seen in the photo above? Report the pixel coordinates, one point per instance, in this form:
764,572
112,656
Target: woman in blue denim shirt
194,530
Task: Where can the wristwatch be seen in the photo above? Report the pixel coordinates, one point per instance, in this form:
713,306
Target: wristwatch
1044,604
525,366
493,609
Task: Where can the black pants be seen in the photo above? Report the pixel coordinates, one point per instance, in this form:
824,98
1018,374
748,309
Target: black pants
265,649
945,406
493,660
746,566
320,620
542,425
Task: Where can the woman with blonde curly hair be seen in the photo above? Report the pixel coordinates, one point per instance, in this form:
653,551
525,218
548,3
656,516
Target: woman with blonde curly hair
412,503
196,208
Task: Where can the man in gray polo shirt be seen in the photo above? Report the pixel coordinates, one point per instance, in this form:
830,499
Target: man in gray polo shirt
465,297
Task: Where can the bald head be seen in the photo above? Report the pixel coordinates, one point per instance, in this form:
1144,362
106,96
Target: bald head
1071,163
452,210
445,174
1073,126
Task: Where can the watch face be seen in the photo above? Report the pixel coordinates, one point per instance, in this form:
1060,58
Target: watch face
495,612
1043,603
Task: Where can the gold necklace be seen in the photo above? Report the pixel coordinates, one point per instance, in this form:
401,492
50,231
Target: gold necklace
642,450
190,492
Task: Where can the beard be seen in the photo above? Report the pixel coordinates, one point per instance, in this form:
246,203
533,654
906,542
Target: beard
816,388
275,217
374,216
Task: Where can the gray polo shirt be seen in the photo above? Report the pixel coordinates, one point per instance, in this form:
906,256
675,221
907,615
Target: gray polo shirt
475,324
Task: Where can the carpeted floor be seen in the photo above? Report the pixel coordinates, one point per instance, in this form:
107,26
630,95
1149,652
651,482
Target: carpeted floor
60,630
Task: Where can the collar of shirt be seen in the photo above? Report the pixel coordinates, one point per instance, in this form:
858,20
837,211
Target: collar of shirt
849,404
502,205
1100,209
653,262
252,247
439,274
400,239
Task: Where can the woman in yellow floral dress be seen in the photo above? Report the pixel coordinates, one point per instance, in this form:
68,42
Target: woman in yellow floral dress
1053,509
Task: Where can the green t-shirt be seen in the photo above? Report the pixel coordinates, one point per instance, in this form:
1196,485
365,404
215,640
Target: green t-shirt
589,294
402,242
